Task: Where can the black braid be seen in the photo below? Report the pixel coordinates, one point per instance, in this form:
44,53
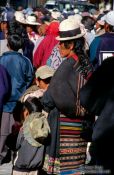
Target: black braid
85,66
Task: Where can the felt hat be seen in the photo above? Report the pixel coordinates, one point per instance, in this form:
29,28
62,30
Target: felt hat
31,20
69,30
19,16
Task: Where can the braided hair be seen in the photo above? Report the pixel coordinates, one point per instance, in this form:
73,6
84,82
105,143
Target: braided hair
79,49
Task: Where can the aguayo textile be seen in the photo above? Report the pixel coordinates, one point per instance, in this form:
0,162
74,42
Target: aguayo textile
72,146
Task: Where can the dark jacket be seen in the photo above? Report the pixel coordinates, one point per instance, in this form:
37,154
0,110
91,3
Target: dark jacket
21,73
28,157
97,96
63,87
102,43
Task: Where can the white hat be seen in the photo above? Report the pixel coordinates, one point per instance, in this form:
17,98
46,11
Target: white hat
108,7
77,18
76,11
19,16
55,14
69,30
31,20
109,18
44,72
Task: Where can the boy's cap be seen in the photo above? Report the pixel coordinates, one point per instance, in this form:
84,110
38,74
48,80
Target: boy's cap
44,72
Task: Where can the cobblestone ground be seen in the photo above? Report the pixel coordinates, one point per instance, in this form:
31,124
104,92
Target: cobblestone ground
6,169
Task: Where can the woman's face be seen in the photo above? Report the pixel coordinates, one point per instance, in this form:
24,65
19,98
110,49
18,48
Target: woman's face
3,26
29,29
65,51
42,29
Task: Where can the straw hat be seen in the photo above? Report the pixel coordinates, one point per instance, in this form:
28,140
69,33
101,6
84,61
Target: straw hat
77,18
55,14
31,20
19,16
69,30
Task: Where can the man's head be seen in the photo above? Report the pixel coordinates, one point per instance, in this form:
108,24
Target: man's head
109,21
15,42
43,76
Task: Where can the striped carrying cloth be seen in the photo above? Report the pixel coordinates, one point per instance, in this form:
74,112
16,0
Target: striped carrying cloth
72,146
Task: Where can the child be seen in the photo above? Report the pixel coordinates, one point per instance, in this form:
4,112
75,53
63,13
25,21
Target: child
30,141
21,72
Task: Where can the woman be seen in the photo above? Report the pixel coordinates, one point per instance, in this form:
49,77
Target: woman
62,101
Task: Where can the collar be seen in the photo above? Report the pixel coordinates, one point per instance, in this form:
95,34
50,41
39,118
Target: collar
74,56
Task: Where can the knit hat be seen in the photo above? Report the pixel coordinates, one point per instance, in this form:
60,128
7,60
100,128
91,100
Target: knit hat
44,72
36,128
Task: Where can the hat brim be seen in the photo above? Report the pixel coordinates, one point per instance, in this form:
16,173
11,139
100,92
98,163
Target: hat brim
45,76
70,38
27,22
21,21
32,23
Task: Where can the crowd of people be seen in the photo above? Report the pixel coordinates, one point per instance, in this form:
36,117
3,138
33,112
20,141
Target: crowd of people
56,91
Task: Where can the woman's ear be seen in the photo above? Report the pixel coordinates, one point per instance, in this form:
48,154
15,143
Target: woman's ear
71,46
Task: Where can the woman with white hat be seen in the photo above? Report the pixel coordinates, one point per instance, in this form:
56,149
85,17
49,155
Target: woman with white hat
63,94
31,23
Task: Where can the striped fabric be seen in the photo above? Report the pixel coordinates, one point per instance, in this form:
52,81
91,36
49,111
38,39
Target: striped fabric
51,165
72,147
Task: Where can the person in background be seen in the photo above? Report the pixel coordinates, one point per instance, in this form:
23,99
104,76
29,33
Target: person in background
99,25
3,35
102,46
3,29
20,71
31,27
46,45
17,26
42,29
88,23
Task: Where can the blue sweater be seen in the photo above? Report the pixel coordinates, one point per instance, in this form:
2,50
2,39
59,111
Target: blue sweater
102,43
4,86
20,70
